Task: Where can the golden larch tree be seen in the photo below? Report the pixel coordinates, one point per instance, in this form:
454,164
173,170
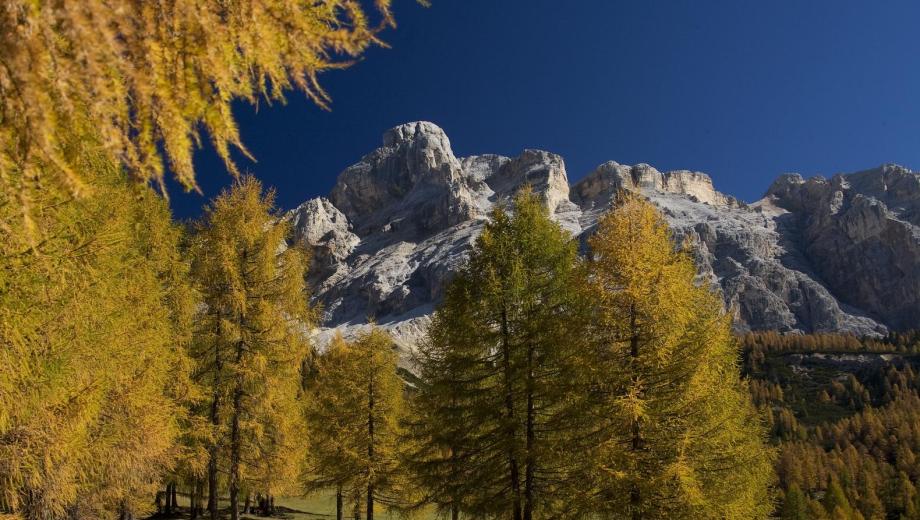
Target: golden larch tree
154,77
677,434
92,345
354,413
251,341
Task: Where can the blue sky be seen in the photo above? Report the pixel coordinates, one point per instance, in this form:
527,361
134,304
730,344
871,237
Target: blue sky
743,90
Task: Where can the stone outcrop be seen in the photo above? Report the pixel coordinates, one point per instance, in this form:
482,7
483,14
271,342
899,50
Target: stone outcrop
861,234
812,256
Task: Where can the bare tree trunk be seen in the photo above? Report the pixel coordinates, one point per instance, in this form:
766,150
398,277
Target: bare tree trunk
235,452
174,503
168,499
195,500
454,512
338,503
125,513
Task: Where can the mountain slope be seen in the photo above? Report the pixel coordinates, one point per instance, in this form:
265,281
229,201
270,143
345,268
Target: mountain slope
814,255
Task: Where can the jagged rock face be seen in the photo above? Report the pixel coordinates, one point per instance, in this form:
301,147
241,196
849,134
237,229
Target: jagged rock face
413,184
601,184
861,232
320,225
817,255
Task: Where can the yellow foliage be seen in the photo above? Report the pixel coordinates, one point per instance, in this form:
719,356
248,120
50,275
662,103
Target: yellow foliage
93,330
250,339
681,436
354,410
149,75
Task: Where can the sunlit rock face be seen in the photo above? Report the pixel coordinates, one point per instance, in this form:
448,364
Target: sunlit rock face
812,256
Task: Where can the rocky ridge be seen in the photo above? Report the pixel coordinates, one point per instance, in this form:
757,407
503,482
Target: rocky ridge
813,255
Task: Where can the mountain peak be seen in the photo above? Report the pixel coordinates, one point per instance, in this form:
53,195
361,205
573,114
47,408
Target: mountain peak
416,130
837,254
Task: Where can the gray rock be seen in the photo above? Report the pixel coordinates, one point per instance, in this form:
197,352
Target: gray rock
812,256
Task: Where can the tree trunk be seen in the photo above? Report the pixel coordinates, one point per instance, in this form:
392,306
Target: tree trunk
215,422
370,448
635,495
125,513
529,455
509,409
168,499
235,449
246,504
338,503
174,503
195,500
454,512
192,512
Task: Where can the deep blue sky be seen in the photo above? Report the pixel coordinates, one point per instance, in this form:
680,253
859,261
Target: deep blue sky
743,90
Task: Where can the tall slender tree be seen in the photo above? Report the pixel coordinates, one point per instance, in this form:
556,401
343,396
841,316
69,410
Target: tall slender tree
354,414
495,418
677,434
251,340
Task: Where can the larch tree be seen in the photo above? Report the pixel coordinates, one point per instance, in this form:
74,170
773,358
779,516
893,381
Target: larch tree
151,76
250,342
354,413
93,334
496,420
677,435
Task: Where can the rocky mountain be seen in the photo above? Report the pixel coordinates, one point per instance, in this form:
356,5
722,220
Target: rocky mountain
815,255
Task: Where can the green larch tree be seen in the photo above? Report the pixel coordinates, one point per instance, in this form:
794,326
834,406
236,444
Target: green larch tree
676,433
495,422
251,341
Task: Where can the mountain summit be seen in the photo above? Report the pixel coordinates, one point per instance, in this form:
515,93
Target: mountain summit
814,255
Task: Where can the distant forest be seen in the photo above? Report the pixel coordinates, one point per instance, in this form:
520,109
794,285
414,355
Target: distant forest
844,413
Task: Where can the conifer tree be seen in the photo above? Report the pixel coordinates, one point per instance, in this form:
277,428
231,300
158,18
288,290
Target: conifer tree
495,415
93,323
354,412
795,504
250,343
677,434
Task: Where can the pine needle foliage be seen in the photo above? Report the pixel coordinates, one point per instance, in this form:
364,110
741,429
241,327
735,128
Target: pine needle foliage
494,417
354,413
677,434
153,77
250,341
93,331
